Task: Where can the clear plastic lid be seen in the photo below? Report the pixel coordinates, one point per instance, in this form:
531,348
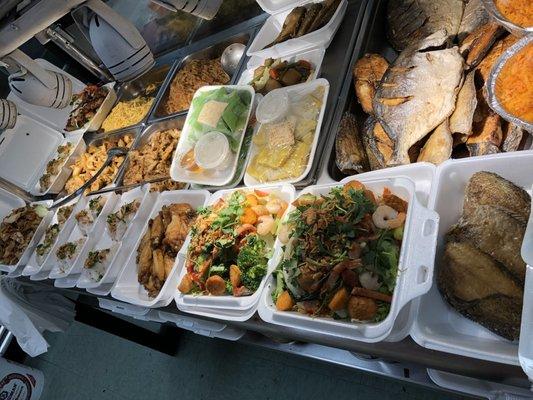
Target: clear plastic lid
212,151
273,107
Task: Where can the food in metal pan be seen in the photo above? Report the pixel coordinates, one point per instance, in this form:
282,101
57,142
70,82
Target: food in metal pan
481,274
91,161
514,85
17,230
275,74
412,21
341,253
127,113
152,160
306,19
160,245
231,242
282,148
117,222
86,104
189,79
519,12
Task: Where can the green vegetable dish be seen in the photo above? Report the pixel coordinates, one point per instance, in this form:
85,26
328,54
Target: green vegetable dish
231,243
340,254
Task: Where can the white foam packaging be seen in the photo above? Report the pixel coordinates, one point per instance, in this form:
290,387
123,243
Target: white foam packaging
313,56
33,267
321,38
36,144
73,268
9,202
203,327
295,92
525,347
208,177
415,266
127,287
228,307
57,118
437,325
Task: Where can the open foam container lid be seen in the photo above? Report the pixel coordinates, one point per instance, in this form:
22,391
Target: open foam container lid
277,6
525,347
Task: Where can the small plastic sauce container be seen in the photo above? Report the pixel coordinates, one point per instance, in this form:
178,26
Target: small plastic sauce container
273,108
212,151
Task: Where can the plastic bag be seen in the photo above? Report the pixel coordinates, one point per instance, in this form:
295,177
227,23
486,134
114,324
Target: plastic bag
27,311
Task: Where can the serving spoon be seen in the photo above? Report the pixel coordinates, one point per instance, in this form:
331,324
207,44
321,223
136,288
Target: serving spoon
111,153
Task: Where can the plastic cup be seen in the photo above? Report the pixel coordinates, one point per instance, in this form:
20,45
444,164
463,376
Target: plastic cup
212,151
273,107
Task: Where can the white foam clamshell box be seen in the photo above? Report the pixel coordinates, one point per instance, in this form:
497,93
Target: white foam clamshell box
321,38
437,325
57,118
313,56
295,92
36,144
202,327
33,267
120,249
127,287
9,202
73,269
228,307
415,266
214,178
525,348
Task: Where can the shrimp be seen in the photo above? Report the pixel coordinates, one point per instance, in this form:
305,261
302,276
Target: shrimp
275,206
386,217
260,210
265,225
244,229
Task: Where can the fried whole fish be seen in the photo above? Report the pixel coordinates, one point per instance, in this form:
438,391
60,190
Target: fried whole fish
474,15
417,93
485,66
489,189
512,137
367,74
496,233
465,106
308,19
350,155
438,148
290,26
487,134
410,21
478,43
377,144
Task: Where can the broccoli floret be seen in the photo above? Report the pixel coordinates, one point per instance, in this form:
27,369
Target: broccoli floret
252,262
253,276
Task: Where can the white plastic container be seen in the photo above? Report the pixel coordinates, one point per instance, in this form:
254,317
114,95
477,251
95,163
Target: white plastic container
525,348
120,249
213,177
295,92
9,200
437,325
202,327
415,266
127,287
313,56
72,271
320,38
241,308
33,266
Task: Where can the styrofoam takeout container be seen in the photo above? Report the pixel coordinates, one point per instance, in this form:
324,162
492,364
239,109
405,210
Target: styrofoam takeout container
238,308
33,266
295,92
320,38
73,270
127,287
313,56
415,266
202,327
525,347
123,247
216,177
10,202
437,325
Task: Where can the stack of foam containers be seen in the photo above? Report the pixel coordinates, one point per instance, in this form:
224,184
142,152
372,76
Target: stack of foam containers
228,307
437,326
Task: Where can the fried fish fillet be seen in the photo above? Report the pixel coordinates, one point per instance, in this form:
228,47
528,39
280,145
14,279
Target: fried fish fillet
474,15
438,148
350,155
489,189
478,43
463,116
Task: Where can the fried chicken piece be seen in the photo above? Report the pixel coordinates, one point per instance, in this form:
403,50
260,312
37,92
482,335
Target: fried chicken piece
158,265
